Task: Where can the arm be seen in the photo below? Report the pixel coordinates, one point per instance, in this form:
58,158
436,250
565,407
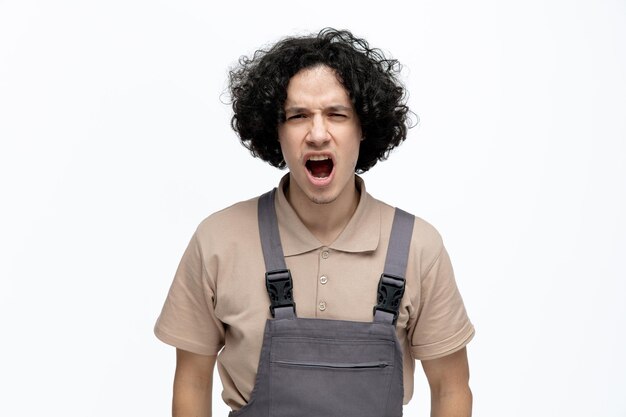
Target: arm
448,377
193,384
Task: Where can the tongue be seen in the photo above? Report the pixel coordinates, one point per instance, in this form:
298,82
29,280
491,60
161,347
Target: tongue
320,169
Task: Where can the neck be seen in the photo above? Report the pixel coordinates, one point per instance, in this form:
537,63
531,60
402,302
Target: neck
324,221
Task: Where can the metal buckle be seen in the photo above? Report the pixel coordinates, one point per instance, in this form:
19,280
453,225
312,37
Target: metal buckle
280,289
390,292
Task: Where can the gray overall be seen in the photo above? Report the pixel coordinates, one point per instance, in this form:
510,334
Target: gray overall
329,368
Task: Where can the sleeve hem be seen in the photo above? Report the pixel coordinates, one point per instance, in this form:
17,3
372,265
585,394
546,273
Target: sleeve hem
184,344
444,347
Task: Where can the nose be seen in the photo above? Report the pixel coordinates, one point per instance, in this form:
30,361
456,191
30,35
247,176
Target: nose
318,135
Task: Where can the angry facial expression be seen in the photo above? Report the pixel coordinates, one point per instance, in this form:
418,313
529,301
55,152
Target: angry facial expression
320,136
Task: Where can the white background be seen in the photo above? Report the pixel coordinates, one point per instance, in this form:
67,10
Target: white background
115,145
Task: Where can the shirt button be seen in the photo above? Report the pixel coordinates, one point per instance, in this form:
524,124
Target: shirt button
322,305
323,279
325,254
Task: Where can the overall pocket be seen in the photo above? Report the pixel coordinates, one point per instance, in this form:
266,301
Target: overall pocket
326,377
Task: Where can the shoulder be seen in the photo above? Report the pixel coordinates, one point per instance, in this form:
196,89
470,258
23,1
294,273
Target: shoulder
426,238
426,241
236,223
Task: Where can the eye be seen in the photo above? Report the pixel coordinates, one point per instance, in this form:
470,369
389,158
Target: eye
296,116
338,115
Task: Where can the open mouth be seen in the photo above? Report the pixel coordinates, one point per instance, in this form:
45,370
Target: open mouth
320,166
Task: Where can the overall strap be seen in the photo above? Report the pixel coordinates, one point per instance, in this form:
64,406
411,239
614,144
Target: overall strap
391,285
277,277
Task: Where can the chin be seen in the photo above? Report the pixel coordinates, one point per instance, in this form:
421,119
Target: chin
322,198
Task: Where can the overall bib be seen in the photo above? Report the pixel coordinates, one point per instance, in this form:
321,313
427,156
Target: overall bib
329,368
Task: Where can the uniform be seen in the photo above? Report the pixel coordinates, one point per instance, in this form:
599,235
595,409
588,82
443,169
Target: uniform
218,297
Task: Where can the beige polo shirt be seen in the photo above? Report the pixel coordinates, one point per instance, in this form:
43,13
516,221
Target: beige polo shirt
218,302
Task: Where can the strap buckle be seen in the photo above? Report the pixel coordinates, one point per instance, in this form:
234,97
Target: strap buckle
390,292
280,289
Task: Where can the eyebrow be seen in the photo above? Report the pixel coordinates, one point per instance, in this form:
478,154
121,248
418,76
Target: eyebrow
337,107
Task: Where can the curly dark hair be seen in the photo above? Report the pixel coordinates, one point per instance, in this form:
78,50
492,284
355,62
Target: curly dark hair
258,89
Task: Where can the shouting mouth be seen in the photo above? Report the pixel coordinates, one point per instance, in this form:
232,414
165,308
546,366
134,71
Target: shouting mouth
320,168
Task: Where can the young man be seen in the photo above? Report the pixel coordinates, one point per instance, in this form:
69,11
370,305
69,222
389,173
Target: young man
326,106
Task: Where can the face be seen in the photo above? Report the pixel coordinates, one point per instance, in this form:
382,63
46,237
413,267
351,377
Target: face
320,136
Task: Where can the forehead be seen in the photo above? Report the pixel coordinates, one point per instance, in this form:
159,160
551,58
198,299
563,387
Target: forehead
316,86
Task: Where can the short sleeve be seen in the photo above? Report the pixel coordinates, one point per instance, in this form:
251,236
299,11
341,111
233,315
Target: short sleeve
442,326
187,320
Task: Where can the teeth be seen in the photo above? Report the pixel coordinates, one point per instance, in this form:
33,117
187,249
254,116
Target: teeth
318,158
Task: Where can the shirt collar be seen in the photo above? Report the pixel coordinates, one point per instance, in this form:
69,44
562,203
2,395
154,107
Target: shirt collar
361,234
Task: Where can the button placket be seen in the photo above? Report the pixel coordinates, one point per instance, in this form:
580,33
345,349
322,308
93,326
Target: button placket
321,305
322,291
